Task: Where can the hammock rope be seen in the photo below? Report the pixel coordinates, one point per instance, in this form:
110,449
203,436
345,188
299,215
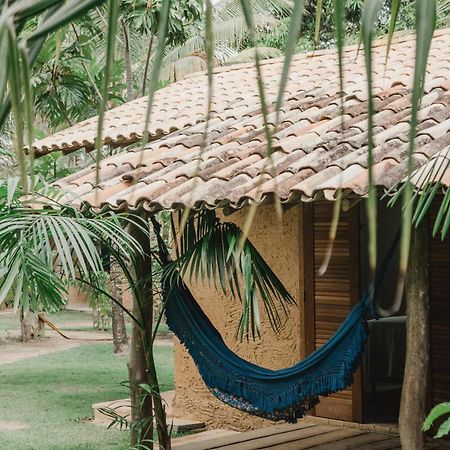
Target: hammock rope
284,394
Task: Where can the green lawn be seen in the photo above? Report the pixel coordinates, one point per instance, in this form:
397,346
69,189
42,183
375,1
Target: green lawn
52,395
65,319
68,320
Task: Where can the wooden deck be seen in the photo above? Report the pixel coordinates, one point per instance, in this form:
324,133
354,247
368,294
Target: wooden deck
303,435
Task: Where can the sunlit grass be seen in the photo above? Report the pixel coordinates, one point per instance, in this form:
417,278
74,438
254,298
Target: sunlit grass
52,395
67,320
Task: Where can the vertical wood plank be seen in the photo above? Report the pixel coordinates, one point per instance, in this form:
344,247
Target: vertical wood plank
439,288
308,271
334,294
355,293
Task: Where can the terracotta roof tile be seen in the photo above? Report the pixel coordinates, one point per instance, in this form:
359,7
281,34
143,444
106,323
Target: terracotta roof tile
315,150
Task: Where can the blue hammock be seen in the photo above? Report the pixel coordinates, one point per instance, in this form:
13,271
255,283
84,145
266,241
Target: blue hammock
284,394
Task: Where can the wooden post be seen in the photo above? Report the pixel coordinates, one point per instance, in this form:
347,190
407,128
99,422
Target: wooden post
414,392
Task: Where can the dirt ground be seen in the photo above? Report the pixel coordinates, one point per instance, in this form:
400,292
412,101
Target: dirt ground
11,425
12,349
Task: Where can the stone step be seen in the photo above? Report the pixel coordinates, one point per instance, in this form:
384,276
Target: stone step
123,408
185,425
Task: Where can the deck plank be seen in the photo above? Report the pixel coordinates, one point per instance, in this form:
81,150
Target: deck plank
317,440
290,436
369,441
303,436
218,443
392,444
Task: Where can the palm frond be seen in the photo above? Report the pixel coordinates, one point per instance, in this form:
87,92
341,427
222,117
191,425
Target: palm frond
44,248
443,13
439,411
208,254
248,55
182,67
225,9
227,33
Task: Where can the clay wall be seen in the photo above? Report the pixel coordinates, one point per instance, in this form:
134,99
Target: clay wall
280,242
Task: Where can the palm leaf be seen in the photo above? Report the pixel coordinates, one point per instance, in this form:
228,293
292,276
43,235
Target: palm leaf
209,255
437,412
113,18
425,24
369,18
248,55
44,248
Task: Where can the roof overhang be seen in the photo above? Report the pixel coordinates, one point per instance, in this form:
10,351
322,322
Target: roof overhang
316,150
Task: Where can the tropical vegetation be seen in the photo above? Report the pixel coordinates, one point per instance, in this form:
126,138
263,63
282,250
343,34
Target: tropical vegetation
66,62
442,410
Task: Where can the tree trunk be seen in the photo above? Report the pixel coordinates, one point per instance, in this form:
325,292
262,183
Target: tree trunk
147,65
128,66
141,403
31,326
414,392
141,356
120,338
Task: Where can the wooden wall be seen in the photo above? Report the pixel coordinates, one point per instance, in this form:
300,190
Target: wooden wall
439,280
330,297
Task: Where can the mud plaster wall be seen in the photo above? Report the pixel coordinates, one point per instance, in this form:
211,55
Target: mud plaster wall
76,297
280,243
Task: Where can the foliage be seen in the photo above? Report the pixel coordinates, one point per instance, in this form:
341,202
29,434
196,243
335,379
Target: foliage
229,32
249,54
41,248
307,40
123,421
54,166
68,75
439,411
97,291
207,252
145,17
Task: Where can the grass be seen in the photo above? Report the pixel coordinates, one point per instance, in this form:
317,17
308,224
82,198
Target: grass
52,395
68,320
65,319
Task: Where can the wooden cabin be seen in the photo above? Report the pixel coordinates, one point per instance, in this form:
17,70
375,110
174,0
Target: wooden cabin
318,155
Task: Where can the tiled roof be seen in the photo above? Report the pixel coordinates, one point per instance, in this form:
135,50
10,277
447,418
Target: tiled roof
315,150
183,104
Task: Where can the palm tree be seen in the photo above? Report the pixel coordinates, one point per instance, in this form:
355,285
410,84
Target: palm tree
206,250
230,34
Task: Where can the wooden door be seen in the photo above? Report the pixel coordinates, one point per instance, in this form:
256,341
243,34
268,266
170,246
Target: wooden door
330,297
